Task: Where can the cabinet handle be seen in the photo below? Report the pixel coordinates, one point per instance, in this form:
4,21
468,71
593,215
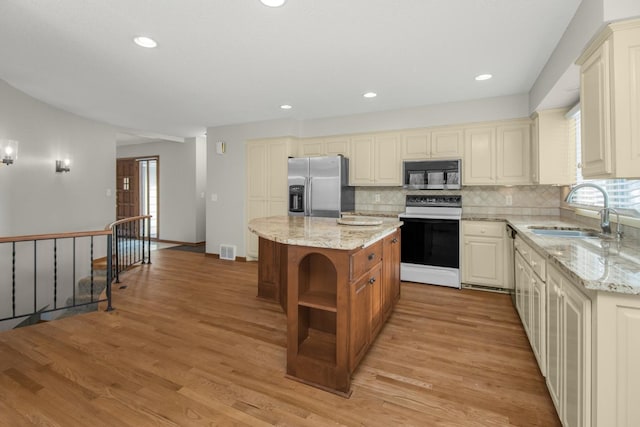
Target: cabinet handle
371,256
482,231
533,263
372,280
395,240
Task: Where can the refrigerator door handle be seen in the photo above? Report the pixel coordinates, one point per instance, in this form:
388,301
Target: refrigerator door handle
309,192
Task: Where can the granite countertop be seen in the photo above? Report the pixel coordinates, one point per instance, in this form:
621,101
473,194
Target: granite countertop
598,264
321,232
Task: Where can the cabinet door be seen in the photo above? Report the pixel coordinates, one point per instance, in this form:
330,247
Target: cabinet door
447,144
335,146
538,321
535,150
361,163
375,282
526,299
387,160
390,272
277,155
513,154
360,320
484,260
576,368
311,148
554,337
519,267
416,145
479,156
256,170
595,119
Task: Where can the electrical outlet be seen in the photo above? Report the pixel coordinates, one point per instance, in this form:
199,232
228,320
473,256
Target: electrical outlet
509,200
376,198
214,197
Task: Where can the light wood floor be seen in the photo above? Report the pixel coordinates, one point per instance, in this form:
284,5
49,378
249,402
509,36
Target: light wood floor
189,344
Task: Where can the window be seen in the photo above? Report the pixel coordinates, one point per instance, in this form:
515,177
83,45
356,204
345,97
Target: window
624,194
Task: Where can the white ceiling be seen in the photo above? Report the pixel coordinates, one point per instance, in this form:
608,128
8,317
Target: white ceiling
234,61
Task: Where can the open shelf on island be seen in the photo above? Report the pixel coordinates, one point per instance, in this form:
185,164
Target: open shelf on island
319,345
322,300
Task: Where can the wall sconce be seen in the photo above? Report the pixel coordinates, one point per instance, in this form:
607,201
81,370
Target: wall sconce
63,165
8,151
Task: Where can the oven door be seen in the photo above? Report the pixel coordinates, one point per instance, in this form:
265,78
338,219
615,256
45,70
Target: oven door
431,241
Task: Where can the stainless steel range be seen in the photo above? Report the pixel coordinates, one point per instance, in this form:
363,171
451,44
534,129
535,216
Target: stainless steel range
431,240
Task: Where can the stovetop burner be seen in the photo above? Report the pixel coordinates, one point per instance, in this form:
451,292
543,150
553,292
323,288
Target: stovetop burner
434,201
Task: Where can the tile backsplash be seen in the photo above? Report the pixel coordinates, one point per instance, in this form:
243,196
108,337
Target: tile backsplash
524,199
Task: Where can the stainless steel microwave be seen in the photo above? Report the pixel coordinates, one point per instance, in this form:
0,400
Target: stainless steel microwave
432,174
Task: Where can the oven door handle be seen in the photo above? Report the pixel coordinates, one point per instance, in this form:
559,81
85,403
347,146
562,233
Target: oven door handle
428,216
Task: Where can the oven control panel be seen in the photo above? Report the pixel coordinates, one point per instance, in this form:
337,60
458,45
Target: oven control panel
431,200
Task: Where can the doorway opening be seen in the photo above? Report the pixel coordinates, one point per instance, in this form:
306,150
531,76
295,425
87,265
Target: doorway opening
138,190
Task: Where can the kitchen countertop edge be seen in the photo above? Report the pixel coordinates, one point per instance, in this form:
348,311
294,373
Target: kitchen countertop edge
622,262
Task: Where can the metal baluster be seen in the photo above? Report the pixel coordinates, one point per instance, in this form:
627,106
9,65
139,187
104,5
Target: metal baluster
74,271
13,279
143,240
35,276
149,240
91,299
55,274
109,266
115,230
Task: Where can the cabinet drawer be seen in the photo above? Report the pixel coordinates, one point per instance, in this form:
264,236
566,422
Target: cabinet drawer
538,265
483,228
523,249
365,259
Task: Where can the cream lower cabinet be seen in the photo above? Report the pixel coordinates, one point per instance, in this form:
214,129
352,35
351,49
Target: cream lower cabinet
569,351
266,192
530,271
616,360
485,255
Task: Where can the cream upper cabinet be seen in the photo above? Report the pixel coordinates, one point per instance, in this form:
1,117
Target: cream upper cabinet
610,102
336,146
497,155
266,191
361,162
416,144
315,147
484,256
513,154
311,147
553,154
432,143
480,156
388,166
375,160
447,143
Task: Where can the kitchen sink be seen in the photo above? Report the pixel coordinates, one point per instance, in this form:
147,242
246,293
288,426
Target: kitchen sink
564,232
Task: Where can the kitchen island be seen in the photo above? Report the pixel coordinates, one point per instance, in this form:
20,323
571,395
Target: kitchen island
338,285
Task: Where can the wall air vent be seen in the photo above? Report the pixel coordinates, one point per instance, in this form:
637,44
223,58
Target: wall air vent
228,252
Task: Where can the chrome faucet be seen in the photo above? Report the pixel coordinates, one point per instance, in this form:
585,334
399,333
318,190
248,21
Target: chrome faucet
618,227
605,225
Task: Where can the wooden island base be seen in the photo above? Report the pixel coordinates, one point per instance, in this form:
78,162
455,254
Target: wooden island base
336,302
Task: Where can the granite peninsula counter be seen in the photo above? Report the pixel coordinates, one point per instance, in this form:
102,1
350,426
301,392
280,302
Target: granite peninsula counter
338,285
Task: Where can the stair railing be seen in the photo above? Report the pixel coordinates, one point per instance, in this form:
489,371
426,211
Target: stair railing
55,258
132,243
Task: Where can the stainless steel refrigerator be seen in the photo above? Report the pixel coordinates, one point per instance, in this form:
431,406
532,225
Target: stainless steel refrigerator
319,186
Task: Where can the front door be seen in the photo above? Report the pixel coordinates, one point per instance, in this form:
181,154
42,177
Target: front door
127,189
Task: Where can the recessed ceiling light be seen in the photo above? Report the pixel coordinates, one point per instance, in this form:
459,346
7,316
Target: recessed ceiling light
273,3
370,95
481,77
147,42
286,107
